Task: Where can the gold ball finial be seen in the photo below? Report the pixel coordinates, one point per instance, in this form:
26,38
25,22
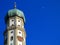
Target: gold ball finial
14,4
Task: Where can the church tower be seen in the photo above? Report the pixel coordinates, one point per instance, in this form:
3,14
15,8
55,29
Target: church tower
15,32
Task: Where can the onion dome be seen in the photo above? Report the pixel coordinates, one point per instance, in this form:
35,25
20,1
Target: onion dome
15,12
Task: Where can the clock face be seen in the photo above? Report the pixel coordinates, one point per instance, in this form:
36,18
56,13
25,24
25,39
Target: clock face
20,38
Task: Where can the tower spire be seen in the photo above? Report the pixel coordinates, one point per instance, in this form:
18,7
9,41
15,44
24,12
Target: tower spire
14,4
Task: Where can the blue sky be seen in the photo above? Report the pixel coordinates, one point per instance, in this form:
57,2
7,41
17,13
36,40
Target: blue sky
42,20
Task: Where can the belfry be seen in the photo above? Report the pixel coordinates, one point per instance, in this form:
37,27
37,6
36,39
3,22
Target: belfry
15,32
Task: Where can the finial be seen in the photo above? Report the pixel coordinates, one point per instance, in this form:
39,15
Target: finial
14,4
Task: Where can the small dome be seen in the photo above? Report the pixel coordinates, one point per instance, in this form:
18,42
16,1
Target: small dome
16,12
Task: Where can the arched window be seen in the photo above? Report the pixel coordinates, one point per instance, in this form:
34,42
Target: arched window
19,32
12,20
11,31
11,38
18,20
18,25
12,24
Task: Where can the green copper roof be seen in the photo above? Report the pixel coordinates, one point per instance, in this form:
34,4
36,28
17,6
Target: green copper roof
17,12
